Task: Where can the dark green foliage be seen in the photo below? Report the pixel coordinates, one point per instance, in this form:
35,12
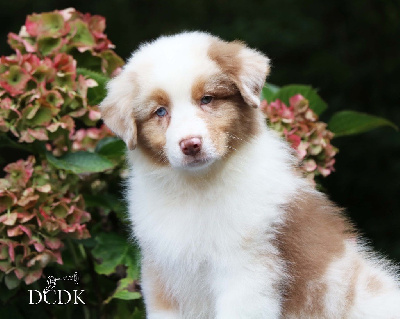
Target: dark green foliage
80,162
350,122
95,94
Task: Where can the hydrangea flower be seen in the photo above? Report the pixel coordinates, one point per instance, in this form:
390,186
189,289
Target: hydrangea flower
68,31
87,139
299,125
41,93
41,98
37,210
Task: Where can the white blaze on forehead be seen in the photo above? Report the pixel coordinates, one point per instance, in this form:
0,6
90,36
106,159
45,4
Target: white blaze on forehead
185,122
173,64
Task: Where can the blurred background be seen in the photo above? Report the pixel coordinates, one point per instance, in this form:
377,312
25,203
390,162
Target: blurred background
349,50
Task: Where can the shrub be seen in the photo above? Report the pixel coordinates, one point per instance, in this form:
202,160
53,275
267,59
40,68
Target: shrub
49,90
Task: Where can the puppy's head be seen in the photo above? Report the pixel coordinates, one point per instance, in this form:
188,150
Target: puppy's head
188,100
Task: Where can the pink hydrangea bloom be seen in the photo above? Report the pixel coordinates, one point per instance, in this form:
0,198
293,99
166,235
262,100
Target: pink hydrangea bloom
66,30
299,125
37,210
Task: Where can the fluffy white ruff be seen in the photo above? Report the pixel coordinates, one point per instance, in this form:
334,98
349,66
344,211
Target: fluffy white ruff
192,226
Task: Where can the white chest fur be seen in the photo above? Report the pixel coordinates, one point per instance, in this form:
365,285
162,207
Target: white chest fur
195,217
196,230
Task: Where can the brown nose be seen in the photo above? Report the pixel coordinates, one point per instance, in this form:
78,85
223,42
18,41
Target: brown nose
190,146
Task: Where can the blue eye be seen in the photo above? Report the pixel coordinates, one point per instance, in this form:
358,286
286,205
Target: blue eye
161,112
206,99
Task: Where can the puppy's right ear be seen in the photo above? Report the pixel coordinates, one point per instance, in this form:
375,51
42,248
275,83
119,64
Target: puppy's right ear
117,108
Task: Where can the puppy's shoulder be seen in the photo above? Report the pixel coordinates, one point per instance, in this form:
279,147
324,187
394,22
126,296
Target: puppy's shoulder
313,235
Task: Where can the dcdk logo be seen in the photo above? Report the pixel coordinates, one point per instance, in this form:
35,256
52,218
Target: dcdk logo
52,296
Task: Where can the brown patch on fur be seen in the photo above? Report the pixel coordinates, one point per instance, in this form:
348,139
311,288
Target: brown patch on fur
230,122
246,67
198,89
219,86
151,128
374,285
151,140
160,97
226,55
157,298
312,236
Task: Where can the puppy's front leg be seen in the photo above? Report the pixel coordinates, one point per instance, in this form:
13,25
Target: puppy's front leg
247,292
159,304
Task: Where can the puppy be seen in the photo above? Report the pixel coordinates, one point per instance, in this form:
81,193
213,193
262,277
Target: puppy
227,227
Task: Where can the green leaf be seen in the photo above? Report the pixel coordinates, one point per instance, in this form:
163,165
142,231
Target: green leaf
317,104
352,122
111,147
80,162
139,314
5,141
125,291
122,311
108,201
95,94
86,60
11,281
114,250
111,61
268,92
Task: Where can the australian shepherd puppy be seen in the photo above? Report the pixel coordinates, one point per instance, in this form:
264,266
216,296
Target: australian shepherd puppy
227,226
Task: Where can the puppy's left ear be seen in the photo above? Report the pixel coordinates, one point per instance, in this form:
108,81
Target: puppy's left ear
117,108
247,67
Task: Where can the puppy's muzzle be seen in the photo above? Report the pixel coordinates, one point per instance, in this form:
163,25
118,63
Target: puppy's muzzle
191,146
